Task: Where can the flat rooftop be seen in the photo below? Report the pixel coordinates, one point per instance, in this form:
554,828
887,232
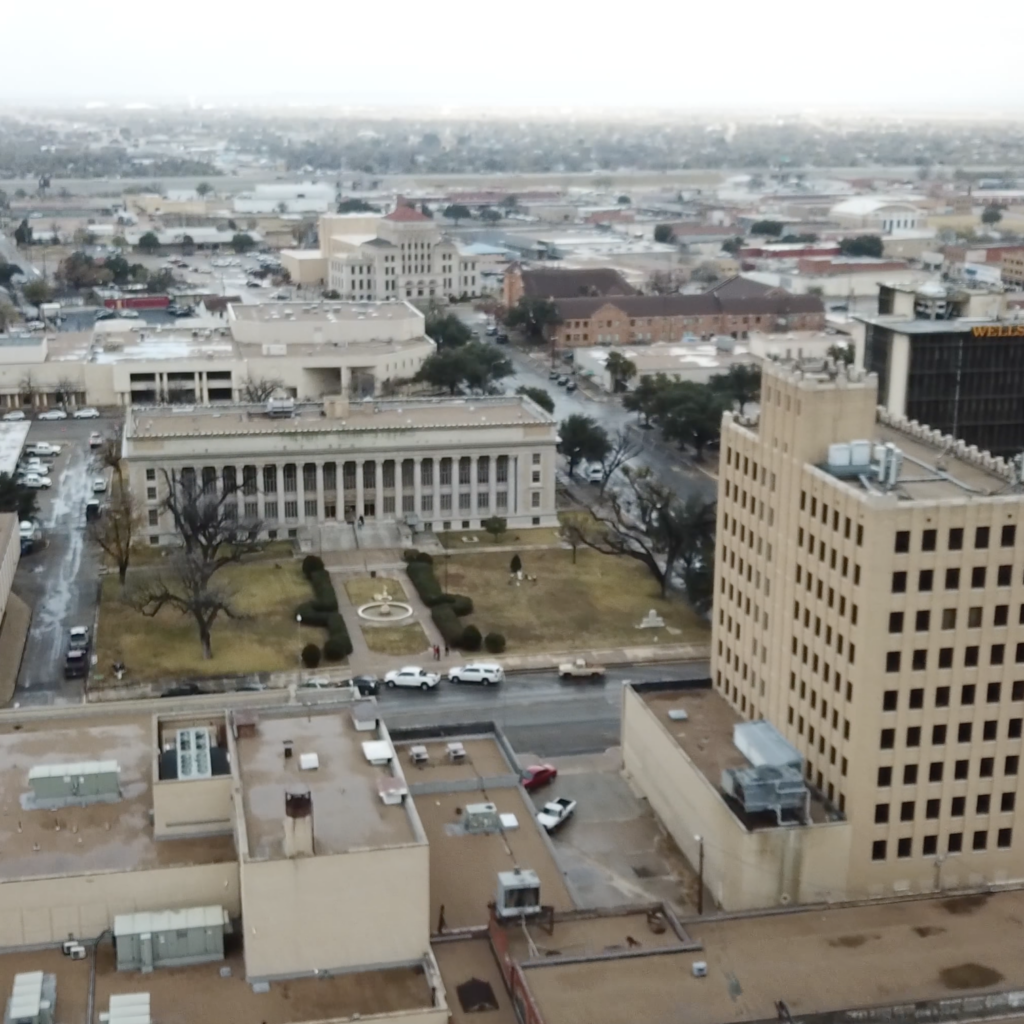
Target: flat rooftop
348,813
325,312
816,960
905,325
98,837
706,738
145,423
467,960
464,868
12,439
589,936
484,759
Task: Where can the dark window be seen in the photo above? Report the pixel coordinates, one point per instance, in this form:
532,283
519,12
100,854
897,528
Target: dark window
909,774
992,693
889,699
952,579
1011,764
938,736
902,542
981,537
878,849
907,810
881,814
928,540
963,732
996,654
945,657
895,622
988,730
917,698
949,618
931,809
960,770
922,620
971,656
1003,575
888,739
929,845
935,771
987,767
1007,802
955,843
1017,693
1001,615
974,617
925,579
980,841
1019,654
978,577
956,538
920,660
1005,838
982,803
899,582
885,776
892,661
967,694
957,806
1008,536
903,847
914,736
942,696
1013,729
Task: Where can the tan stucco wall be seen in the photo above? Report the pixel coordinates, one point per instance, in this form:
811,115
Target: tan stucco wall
304,914
743,870
304,269
50,909
192,807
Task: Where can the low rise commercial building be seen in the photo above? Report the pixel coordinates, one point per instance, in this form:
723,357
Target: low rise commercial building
15,615
546,283
435,464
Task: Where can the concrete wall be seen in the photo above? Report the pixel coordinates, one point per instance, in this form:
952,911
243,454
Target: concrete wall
306,913
743,870
192,807
10,552
48,910
304,268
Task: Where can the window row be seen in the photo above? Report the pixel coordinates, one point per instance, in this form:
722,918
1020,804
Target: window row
978,576
955,538
937,769
964,733
847,523
948,618
968,695
971,659
933,808
930,844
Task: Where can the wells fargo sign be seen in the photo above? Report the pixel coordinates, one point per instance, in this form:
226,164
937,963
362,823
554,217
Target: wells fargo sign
999,331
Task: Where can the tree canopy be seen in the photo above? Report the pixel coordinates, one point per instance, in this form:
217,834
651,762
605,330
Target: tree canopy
457,212
15,497
767,227
862,245
242,242
447,329
534,317
582,437
149,242
473,366
356,206
991,215
621,369
540,396
663,233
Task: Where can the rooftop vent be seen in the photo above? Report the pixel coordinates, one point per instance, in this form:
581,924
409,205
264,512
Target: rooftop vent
481,818
33,998
392,790
518,893
777,788
378,752
193,748
83,782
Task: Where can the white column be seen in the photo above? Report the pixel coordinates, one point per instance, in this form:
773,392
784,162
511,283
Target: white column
300,491
473,468
261,497
437,486
492,484
359,487
321,512
417,485
378,483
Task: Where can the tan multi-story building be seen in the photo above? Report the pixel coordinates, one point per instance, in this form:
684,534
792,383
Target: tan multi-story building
437,464
870,604
1013,268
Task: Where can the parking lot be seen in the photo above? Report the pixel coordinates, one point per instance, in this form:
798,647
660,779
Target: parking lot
612,851
59,580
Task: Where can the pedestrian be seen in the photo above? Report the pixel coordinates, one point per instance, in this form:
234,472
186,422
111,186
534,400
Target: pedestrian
446,649
437,653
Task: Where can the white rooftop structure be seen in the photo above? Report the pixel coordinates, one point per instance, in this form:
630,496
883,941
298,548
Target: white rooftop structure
168,920
12,440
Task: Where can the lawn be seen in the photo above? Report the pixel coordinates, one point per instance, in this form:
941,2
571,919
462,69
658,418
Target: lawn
266,639
453,539
597,602
395,639
362,589
144,555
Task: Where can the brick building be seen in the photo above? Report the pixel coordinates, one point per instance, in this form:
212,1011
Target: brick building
562,284
735,307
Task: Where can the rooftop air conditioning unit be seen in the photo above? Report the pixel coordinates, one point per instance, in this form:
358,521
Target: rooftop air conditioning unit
77,952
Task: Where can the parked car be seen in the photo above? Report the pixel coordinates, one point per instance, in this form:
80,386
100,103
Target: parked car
482,672
14,415
53,414
553,375
580,669
36,481
595,474
99,485
129,314
502,338
571,386
538,775
105,314
367,686
76,663
78,638
318,683
556,813
562,380
43,450
412,676
88,413
95,439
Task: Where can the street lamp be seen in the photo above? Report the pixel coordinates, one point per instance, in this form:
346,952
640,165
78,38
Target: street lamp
700,874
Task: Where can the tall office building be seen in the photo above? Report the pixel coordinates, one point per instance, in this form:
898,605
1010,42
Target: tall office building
870,604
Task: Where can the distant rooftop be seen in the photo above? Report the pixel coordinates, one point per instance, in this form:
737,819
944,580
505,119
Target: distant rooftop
320,312
12,440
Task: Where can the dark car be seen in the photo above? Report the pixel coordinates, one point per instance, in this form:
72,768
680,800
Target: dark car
92,511
502,338
76,663
368,686
183,690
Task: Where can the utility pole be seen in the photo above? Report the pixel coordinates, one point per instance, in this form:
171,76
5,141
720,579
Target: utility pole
700,875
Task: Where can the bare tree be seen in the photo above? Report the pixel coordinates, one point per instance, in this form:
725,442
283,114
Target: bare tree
116,529
28,388
651,526
187,587
67,390
260,389
624,446
573,526
109,455
665,282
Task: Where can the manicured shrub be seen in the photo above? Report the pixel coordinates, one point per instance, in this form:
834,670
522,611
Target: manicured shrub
447,623
324,597
425,557
494,642
337,647
409,555
322,613
311,655
470,639
461,604
423,579
311,564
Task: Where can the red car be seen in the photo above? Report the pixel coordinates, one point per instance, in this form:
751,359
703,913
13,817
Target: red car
538,775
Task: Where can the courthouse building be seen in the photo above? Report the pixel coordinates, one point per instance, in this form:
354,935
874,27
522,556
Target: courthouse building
435,464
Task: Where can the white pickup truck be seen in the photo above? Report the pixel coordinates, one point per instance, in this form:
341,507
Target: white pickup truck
580,669
556,813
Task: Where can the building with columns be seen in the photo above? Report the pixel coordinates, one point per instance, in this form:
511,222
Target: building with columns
403,255
434,464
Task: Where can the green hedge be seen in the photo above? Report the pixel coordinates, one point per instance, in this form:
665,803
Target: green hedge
322,612
311,655
448,624
462,604
425,582
413,555
471,638
494,642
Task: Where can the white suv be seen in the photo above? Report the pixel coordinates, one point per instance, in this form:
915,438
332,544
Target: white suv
413,676
482,672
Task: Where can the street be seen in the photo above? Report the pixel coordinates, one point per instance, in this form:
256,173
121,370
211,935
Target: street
537,712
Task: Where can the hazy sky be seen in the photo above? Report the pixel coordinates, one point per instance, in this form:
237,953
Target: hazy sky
892,55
